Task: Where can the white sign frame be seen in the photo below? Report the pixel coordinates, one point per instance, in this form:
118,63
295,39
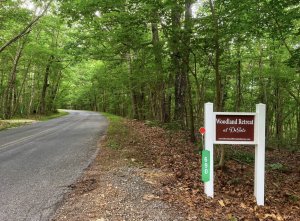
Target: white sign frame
259,142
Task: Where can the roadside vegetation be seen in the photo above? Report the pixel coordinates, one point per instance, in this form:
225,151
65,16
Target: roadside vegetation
56,114
116,131
17,122
157,60
170,163
178,160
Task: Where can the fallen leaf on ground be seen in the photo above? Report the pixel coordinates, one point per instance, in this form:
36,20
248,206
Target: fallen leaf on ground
221,202
150,197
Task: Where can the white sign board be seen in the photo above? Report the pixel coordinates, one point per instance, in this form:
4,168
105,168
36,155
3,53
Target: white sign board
237,128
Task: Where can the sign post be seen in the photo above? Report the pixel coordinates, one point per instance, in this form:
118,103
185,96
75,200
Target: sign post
208,145
259,169
235,128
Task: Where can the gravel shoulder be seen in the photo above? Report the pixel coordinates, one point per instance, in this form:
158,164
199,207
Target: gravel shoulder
116,188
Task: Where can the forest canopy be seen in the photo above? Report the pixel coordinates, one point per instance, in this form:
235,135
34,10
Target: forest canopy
156,60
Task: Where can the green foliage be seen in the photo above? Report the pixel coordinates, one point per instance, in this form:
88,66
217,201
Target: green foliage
116,130
31,73
113,144
7,125
293,198
152,123
59,113
277,166
243,156
130,58
114,119
17,122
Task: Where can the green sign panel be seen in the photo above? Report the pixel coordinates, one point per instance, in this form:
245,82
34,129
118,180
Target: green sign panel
205,165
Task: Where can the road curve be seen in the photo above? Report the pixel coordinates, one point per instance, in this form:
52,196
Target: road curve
39,161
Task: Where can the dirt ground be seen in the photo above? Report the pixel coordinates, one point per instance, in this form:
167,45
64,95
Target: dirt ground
117,188
143,172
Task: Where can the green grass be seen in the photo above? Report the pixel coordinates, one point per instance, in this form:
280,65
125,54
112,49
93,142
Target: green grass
277,166
7,125
113,144
60,113
23,121
243,156
116,131
112,118
293,198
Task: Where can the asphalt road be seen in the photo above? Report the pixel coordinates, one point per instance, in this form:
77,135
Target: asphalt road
39,161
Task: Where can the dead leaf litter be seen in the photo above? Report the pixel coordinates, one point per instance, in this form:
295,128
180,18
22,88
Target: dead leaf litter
155,175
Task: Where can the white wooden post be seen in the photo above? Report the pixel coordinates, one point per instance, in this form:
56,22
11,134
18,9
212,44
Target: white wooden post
208,145
259,170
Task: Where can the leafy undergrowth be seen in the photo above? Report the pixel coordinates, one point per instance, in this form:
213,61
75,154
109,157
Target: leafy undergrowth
234,186
59,113
6,124
17,122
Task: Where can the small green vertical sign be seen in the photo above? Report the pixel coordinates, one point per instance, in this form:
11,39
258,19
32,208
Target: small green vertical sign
205,165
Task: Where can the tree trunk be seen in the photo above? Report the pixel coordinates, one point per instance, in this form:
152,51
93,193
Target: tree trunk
278,115
191,112
218,76
186,64
298,127
263,95
160,88
168,101
2,92
32,93
46,85
9,99
54,92
134,95
238,95
176,57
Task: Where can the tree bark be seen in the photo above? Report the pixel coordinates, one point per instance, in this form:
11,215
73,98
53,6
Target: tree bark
2,92
278,115
238,95
186,64
160,88
32,93
176,58
19,94
134,95
54,92
12,83
191,112
218,76
43,109
298,126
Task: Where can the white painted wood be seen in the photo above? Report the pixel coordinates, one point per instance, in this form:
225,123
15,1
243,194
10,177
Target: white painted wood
235,142
259,171
259,142
235,113
209,123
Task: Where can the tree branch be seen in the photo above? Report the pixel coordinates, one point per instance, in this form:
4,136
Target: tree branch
25,30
